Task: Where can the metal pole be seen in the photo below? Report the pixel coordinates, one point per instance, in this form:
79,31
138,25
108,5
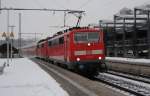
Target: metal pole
124,38
35,36
100,24
53,10
12,28
19,35
134,36
0,6
148,34
64,19
11,47
7,37
105,40
114,37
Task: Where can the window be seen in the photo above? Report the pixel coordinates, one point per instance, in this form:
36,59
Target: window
93,36
49,43
61,40
55,42
37,46
42,45
80,37
86,37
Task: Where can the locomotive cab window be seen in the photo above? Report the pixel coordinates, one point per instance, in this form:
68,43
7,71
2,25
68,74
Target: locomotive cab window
86,37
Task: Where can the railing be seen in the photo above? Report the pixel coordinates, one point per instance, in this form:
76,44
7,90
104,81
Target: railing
128,42
142,41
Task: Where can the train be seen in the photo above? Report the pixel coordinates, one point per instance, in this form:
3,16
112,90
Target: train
80,49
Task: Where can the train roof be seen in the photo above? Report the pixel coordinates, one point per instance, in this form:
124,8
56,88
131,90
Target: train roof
69,30
42,40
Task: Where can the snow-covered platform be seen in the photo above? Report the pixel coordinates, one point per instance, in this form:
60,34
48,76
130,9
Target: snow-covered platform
25,78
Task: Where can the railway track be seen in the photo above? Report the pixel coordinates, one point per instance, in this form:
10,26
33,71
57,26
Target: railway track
79,89
129,85
83,85
129,76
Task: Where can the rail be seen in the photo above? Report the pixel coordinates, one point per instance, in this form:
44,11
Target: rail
128,85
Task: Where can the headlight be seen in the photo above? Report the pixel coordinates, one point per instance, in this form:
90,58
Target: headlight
99,58
78,59
89,44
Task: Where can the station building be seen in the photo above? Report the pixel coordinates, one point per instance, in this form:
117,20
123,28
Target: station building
128,34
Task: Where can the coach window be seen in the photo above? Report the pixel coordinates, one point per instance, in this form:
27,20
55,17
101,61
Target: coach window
42,45
57,41
52,42
37,46
49,43
61,40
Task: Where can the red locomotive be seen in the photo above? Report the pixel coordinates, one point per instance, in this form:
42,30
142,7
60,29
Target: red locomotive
80,49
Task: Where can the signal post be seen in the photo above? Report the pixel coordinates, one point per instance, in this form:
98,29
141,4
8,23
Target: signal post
7,35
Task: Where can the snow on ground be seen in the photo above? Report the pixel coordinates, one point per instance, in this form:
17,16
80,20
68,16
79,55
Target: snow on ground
25,78
147,61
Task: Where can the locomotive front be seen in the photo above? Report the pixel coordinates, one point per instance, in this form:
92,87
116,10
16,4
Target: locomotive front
88,50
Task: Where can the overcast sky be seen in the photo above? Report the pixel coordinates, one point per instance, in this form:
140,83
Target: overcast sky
40,22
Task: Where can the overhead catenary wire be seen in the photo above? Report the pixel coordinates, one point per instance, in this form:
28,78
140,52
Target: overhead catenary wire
44,9
40,5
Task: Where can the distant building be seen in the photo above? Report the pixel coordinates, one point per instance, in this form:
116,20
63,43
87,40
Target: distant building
3,50
128,35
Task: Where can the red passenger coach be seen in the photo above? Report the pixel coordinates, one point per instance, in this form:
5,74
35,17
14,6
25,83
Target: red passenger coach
29,50
42,48
80,49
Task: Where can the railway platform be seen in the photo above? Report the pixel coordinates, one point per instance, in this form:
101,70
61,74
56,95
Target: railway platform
36,77
25,78
140,67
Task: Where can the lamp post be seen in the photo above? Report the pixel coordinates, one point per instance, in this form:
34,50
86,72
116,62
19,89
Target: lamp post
7,37
19,34
11,37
